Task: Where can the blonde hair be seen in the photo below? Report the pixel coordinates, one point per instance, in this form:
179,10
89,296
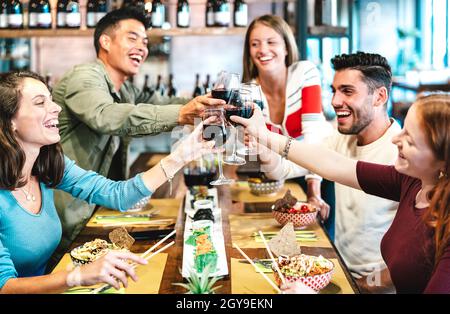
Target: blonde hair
282,28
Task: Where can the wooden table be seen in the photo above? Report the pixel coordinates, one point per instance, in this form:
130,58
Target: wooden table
175,253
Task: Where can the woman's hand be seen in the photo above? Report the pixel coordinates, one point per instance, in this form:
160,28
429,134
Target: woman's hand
255,126
192,147
112,268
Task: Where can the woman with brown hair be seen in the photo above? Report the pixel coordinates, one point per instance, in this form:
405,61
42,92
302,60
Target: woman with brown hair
32,165
292,103
416,248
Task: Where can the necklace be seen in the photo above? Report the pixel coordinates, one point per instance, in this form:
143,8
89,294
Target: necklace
28,195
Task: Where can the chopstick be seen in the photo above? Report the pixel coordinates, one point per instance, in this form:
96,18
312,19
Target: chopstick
273,258
143,255
157,244
257,269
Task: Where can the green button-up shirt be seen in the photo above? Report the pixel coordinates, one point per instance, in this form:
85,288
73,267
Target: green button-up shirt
94,122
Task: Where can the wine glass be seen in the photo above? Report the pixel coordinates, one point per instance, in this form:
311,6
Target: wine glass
256,96
226,82
214,129
240,104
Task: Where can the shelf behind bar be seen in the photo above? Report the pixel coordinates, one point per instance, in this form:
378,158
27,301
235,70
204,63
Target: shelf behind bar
154,32
327,31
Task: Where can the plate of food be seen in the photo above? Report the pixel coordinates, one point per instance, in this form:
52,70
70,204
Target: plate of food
289,209
264,186
313,271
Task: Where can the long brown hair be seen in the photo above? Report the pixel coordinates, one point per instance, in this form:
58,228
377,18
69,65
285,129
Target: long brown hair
49,165
434,114
282,28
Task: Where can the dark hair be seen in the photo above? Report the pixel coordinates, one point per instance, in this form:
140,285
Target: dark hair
375,69
433,112
49,165
282,28
111,20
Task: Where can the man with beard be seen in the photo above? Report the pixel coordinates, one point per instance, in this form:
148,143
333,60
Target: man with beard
361,87
102,110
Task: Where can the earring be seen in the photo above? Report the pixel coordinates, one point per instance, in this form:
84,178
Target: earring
442,174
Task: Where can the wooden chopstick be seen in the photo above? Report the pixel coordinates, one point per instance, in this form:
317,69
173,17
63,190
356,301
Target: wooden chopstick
257,269
273,258
157,244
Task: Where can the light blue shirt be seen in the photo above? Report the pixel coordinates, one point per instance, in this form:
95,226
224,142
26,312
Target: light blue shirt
28,240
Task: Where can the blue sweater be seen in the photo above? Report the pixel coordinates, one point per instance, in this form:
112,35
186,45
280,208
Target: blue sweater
28,240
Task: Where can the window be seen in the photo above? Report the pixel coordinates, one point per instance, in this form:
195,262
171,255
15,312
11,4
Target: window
435,29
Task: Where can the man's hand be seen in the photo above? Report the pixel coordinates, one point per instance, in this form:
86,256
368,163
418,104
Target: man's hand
195,108
315,198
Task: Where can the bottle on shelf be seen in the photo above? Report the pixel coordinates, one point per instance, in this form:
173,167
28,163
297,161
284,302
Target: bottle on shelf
14,11
171,89
39,14
146,87
240,13
158,14
134,3
73,16
222,14
183,14
207,86
209,13
48,80
160,88
3,15
198,90
323,12
61,13
95,10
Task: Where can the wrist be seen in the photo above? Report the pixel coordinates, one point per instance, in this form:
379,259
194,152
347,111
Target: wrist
172,163
73,278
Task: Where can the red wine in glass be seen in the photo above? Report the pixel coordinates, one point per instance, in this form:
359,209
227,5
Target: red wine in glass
221,93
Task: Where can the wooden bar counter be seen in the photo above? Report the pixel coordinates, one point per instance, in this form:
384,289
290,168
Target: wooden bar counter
236,204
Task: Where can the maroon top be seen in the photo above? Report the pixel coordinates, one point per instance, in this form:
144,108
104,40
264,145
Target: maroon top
408,246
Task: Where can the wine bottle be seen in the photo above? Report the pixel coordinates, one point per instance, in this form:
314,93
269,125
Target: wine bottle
240,13
61,13
146,87
198,90
73,17
39,14
134,3
183,12
91,10
14,11
158,14
48,81
171,90
209,13
102,9
160,88
207,86
323,12
222,14
3,15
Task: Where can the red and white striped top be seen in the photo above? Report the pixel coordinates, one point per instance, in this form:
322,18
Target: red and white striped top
303,116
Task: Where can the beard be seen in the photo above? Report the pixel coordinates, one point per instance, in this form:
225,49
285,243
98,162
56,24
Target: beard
363,116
